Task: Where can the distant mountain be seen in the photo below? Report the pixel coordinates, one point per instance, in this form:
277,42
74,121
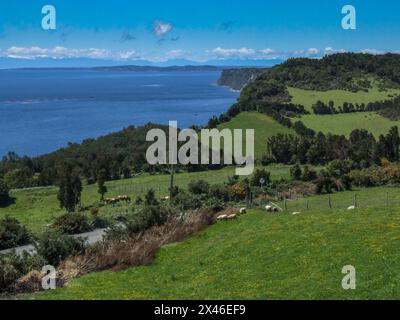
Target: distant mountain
135,68
12,63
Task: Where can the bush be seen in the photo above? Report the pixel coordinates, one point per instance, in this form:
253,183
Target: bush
187,201
55,247
214,204
138,200
327,184
199,187
267,160
72,223
97,221
12,233
258,175
4,193
295,172
309,174
150,198
148,217
13,266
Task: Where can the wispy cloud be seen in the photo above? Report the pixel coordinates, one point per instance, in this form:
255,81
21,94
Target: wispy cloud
161,28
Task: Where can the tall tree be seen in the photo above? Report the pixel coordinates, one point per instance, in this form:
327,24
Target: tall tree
101,180
70,187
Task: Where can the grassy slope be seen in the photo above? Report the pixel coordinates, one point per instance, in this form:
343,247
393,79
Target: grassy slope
37,207
263,125
266,256
345,123
309,97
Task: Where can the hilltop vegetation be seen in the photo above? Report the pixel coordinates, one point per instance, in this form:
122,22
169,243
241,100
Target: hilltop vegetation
308,98
264,128
345,123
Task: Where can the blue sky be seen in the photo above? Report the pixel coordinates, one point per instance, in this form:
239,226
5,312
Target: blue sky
200,31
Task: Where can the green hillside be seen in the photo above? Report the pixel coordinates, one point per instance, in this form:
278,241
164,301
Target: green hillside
263,125
38,207
346,122
267,256
309,97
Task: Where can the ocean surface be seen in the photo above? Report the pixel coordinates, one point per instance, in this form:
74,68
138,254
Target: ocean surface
42,110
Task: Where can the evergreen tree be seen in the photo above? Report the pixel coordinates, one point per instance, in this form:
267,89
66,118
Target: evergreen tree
101,180
70,187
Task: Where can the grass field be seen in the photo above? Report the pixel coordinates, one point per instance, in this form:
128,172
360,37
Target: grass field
347,122
309,97
39,206
267,256
263,125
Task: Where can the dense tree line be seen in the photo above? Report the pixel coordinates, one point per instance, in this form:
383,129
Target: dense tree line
336,71
320,149
389,108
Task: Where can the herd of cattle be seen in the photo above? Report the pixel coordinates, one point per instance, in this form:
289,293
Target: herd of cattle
117,199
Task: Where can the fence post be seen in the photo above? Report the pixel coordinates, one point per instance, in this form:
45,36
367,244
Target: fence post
330,202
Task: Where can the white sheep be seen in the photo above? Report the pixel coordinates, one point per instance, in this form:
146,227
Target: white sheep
351,208
295,213
242,210
268,208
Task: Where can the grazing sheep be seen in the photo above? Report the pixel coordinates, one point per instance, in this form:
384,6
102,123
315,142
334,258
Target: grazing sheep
268,208
351,208
242,210
294,213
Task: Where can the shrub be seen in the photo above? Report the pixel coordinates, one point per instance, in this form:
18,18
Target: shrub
12,233
258,175
55,247
309,174
267,160
327,184
187,201
138,200
150,198
214,204
219,192
238,191
4,193
72,223
295,172
148,217
199,187
13,266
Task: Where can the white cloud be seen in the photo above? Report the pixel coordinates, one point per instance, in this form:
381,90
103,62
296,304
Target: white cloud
32,53
234,53
372,51
244,53
161,28
330,50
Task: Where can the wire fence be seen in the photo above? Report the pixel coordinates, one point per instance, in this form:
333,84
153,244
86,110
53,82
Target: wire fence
363,198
